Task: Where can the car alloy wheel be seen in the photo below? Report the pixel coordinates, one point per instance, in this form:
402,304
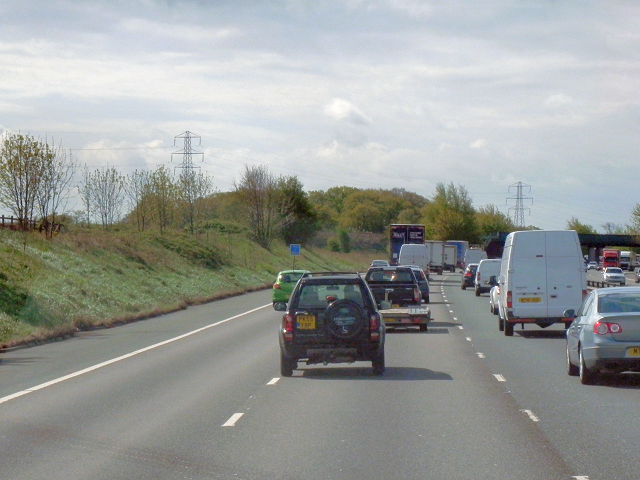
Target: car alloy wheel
586,376
572,369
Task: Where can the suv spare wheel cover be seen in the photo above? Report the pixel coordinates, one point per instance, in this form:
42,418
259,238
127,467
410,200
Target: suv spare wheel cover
344,318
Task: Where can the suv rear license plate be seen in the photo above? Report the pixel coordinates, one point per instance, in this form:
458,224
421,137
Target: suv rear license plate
529,299
633,352
306,322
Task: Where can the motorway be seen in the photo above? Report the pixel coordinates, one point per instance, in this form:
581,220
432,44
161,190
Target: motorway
197,395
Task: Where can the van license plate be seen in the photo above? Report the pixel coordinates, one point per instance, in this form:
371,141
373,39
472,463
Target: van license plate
529,299
306,322
633,352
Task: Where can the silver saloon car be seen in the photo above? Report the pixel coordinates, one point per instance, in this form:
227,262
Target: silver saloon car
613,275
604,335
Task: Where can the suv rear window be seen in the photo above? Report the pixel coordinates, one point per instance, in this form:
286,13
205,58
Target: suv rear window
320,296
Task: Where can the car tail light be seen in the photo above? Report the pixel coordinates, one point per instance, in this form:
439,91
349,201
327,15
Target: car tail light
277,286
374,326
417,295
602,328
288,323
509,299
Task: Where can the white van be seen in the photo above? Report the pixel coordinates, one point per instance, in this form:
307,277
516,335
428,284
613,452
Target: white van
542,274
414,254
487,268
474,255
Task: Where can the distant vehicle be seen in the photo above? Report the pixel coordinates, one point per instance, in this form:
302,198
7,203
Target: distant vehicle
450,257
461,247
395,284
610,258
487,269
436,255
542,274
423,282
469,276
474,255
613,275
283,286
604,335
414,254
331,318
592,266
627,260
379,263
401,233
494,296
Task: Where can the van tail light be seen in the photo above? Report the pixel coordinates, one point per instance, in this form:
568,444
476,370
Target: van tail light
509,299
603,328
584,294
478,276
417,295
374,326
288,323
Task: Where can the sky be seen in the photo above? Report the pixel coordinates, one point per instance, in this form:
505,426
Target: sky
364,93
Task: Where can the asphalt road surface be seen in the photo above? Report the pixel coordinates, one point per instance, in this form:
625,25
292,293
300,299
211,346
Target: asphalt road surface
197,395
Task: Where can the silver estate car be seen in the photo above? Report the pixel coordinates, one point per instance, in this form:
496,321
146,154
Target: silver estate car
604,335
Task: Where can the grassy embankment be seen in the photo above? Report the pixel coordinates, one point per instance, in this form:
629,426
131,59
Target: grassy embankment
82,280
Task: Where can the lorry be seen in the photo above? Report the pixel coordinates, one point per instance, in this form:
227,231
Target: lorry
627,260
610,258
461,247
398,296
542,274
450,257
474,255
436,255
401,233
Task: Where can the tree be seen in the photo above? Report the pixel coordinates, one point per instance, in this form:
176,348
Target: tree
22,167
138,189
163,192
490,220
299,222
103,194
450,214
192,188
55,185
258,195
574,224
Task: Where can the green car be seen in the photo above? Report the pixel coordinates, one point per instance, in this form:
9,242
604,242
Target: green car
284,284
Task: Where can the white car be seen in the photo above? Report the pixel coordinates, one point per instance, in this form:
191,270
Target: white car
592,266
613,275
494,296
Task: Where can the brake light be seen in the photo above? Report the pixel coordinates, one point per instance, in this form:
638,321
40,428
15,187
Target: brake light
374,326
509,299
584,294
288,323
603,328
277,286
417,295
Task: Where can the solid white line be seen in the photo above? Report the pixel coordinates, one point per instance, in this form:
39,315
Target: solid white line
499,377
123,357
232,421
273,381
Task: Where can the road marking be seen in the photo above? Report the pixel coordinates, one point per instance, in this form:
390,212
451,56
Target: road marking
480,355
123,357
531,416
580,477
499,377
232,421
468,339
273,381
460,327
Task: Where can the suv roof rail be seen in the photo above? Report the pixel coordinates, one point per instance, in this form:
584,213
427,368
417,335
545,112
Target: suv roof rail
326,274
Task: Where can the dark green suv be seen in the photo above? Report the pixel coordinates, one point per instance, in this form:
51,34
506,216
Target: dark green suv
331,317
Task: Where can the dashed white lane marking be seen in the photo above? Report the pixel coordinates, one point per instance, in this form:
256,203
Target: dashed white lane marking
499,377
232,421
460,327
531,416
468,339
580,477
273,381
123,357
480,355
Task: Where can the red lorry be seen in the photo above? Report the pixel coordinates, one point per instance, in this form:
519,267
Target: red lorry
610,258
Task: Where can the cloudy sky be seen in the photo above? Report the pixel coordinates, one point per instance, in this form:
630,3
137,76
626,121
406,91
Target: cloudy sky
364,93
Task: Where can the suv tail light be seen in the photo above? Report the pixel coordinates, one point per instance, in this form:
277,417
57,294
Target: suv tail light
374,326
602,328
509,300
288,323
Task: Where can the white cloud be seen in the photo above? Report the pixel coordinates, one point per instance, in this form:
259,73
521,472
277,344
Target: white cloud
343,110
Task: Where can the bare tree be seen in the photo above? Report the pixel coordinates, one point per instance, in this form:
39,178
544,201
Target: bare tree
21,173
103,192
55,185
163,191
138,189
258,193
193,188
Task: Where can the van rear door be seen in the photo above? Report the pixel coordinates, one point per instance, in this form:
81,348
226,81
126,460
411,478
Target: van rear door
528,286
564,272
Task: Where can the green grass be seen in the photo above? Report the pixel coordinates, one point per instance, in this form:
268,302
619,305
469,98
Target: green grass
81,280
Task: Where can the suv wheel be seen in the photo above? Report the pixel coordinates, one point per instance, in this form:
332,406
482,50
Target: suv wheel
344,318
378,363
287,365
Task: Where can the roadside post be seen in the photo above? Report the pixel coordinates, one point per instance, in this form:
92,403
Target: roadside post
295,252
